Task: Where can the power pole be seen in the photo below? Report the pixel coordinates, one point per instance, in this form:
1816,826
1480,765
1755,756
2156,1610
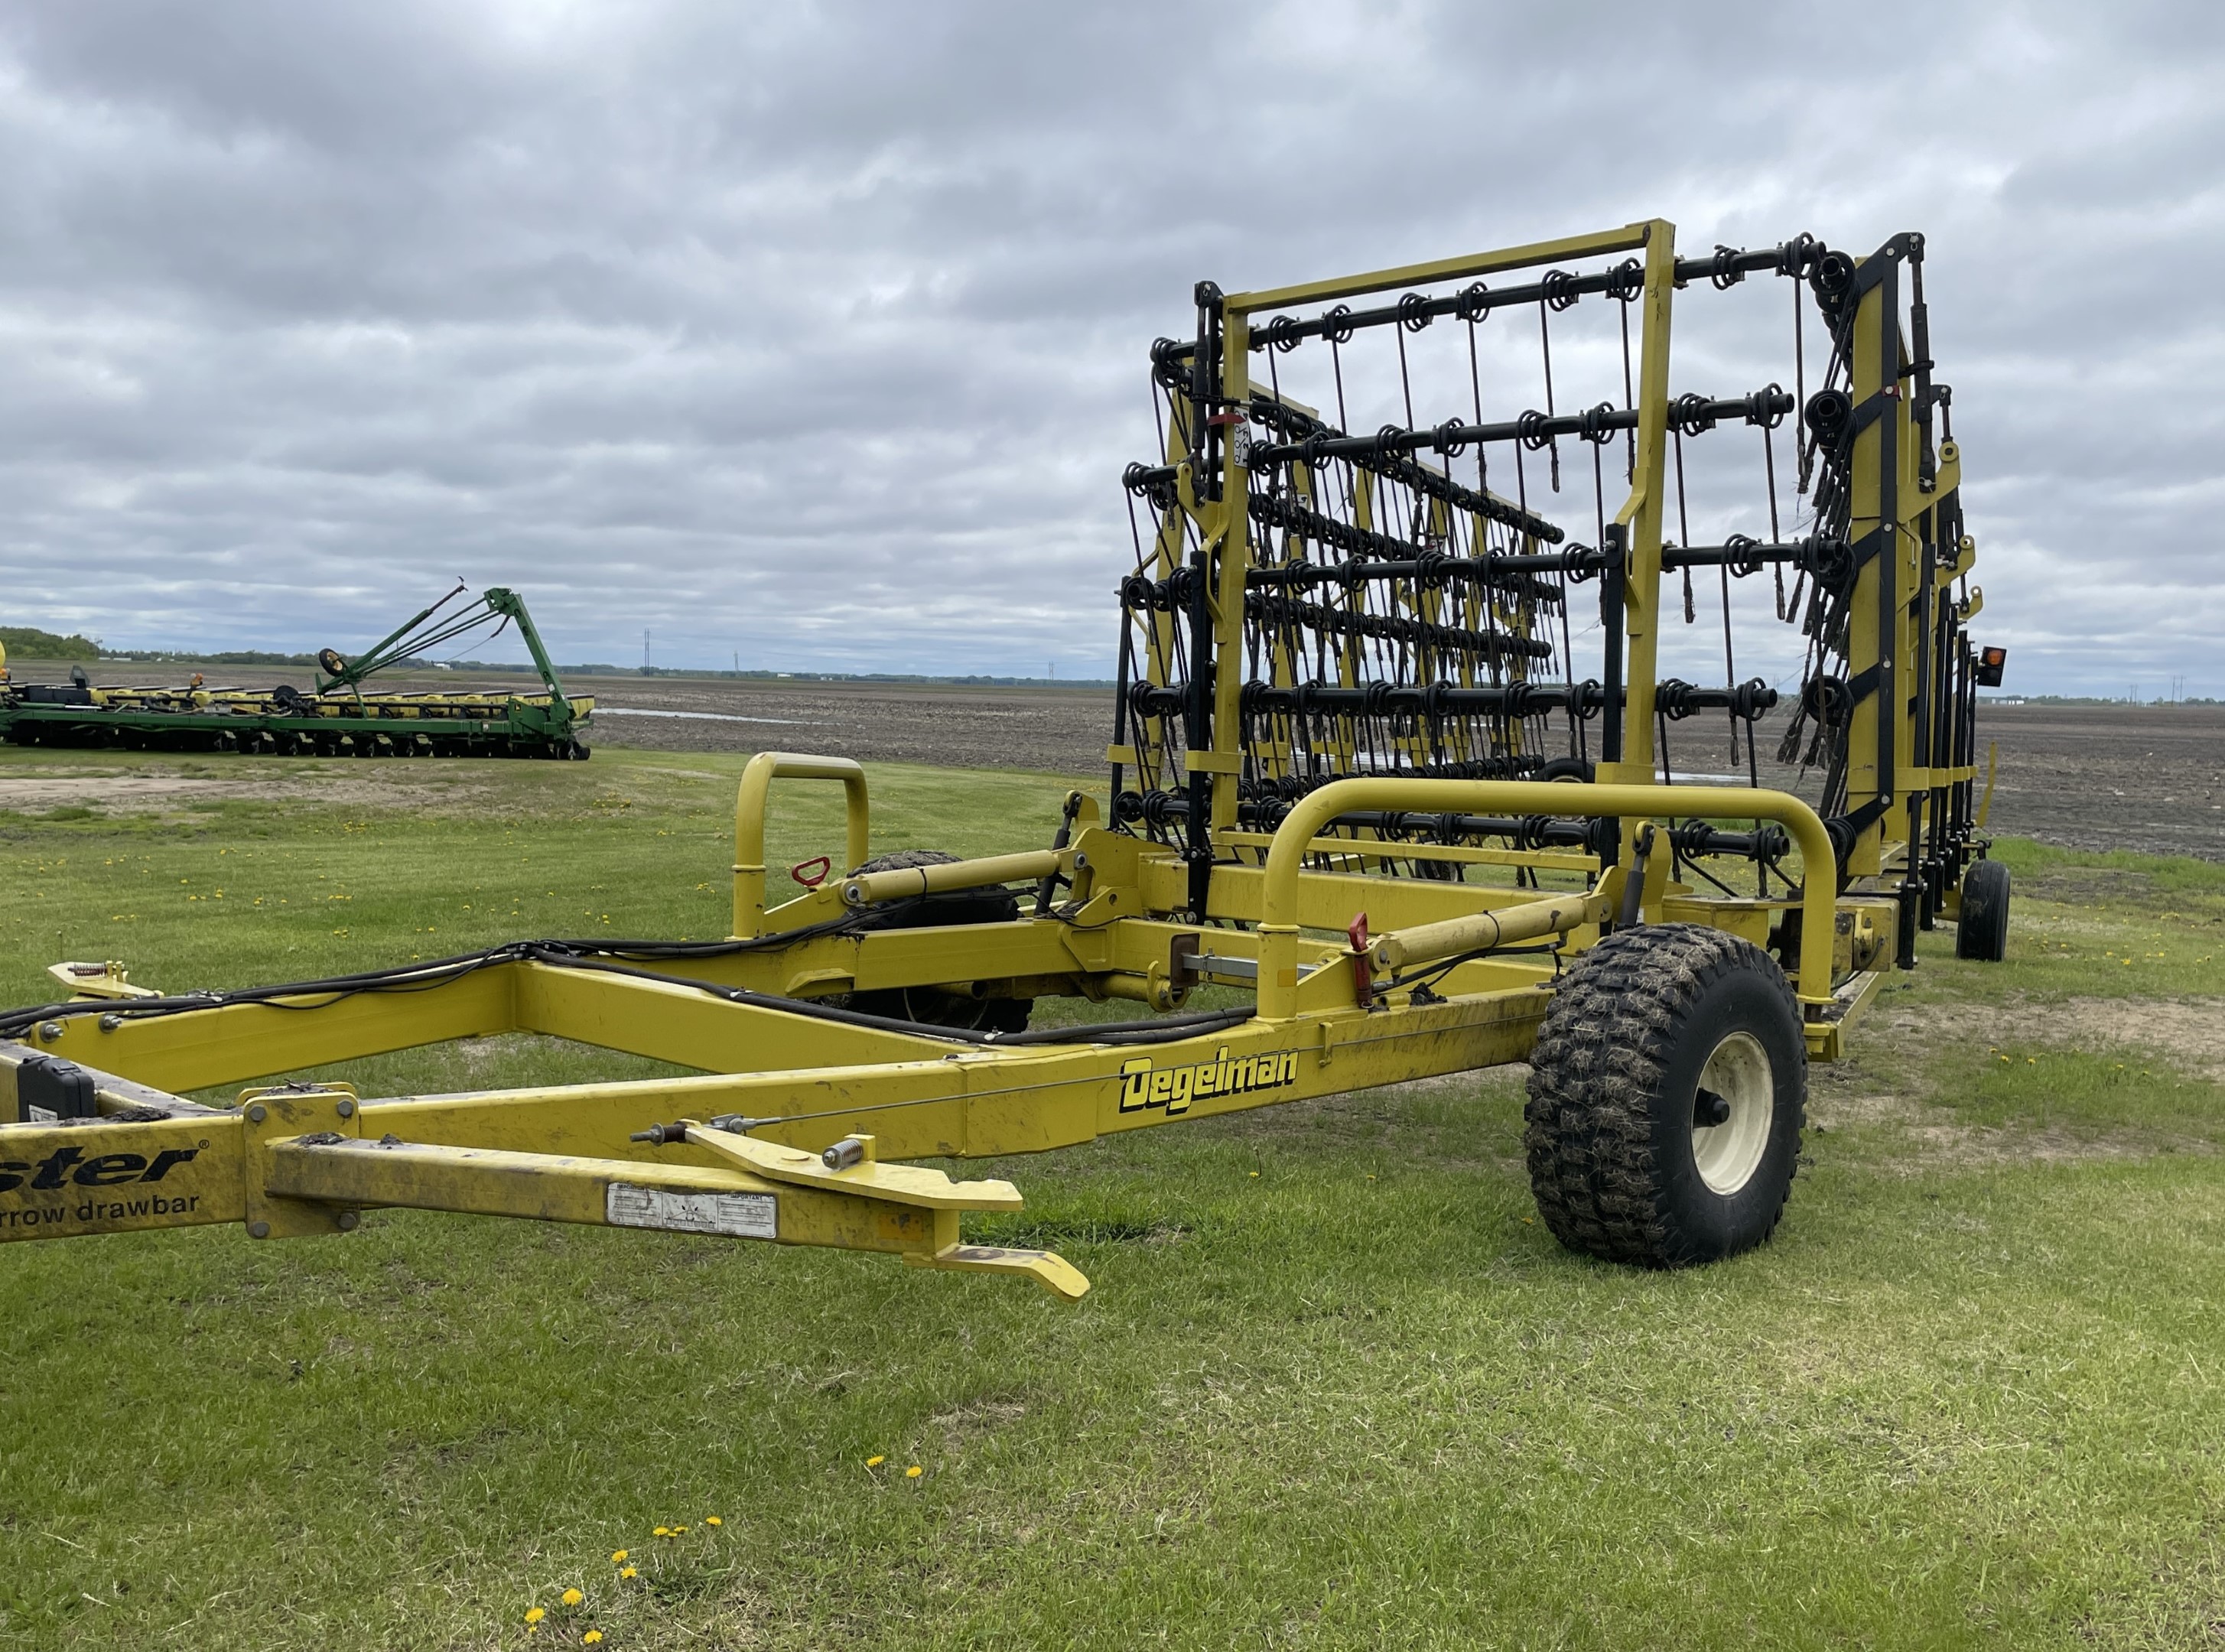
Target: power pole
644,650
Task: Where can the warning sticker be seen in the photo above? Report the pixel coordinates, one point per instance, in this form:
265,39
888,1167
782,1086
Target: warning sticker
738,1216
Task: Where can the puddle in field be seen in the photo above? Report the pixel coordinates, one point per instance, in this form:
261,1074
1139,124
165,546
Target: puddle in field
702,717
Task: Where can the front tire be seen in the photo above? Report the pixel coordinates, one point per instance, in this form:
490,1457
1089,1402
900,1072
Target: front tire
1668,1091
938,1006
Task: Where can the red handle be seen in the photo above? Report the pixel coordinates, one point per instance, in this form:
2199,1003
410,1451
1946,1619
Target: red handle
815,879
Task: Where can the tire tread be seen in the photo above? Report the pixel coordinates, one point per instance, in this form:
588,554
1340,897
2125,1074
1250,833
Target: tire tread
1596,1078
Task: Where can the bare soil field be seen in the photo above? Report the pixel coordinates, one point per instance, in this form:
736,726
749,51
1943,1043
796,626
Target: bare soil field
2149,778
1052,730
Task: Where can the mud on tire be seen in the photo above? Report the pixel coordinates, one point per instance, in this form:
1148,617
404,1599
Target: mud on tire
1632,1157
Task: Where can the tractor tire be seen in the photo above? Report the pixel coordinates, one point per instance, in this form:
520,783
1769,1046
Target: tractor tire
933,1005
1668,1091
1982,924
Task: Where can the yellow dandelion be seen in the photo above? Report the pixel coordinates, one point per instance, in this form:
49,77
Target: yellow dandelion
592,1637
914,1471
712,1520
630,1571
662,1531
534,1614
573,1597
676,1531
875,1462
619,1556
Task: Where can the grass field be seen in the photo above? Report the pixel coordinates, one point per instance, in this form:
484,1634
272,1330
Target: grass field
1334,1387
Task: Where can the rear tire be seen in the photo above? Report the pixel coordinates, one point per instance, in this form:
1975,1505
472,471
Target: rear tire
1981,922
938,1006
1668,1091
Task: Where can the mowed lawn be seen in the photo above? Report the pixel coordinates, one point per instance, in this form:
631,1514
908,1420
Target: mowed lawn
1335,1386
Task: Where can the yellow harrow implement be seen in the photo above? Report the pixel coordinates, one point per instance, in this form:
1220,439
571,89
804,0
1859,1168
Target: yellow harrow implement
1356,785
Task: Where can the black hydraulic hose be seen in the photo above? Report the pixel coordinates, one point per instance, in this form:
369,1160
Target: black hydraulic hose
600,955
416,977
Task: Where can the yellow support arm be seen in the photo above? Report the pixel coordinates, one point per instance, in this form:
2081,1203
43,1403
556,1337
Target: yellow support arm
1279,902
750,800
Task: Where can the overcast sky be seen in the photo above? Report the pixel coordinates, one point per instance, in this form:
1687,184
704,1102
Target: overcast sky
816,333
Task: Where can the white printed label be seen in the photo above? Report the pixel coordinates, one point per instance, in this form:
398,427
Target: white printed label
738,1216
35,1114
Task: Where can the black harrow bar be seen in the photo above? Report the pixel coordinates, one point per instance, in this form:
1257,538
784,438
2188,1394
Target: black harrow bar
1428,568
1156,483
1828,559
1534,430
1673,698
1400,557
1280,613
1287,421
1557,290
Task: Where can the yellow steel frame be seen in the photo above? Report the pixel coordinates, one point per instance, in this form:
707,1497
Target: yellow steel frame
297,1159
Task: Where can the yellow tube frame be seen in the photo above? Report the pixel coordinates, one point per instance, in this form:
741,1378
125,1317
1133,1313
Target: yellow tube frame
750,800
1503,926
1279,910
903,882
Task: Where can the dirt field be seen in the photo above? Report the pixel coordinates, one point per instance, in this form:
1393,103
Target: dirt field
1052,730
2146,778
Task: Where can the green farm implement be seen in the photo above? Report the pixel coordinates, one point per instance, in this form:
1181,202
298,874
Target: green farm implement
339,720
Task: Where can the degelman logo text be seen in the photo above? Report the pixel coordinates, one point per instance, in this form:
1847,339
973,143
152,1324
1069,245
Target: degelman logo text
1143,1085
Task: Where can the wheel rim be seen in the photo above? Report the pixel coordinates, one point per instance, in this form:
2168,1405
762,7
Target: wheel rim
937,1007
1727,1154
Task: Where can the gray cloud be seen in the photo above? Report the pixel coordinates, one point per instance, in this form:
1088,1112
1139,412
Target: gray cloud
818,333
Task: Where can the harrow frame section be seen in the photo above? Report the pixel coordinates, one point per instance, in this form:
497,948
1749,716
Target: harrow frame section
294,1159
